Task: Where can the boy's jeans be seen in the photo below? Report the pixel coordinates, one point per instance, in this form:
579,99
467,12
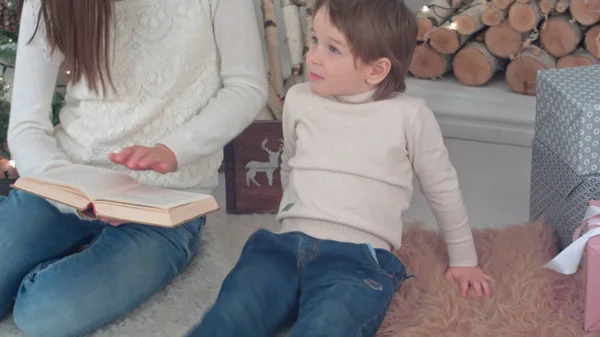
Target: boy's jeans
333,289
60,291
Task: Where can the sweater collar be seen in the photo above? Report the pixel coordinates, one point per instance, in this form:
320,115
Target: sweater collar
360,98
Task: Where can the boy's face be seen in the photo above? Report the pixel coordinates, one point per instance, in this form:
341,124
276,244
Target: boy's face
334,71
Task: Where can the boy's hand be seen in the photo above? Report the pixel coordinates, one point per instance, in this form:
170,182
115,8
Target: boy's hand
158,158
470,276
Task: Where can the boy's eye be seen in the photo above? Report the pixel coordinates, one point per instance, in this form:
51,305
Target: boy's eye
333,49
314,40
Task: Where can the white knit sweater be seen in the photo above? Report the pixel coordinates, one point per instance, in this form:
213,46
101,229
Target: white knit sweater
347,170
189,74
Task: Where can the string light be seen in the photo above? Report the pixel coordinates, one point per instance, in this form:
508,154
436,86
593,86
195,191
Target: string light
68,72
453,25
12,163
433,7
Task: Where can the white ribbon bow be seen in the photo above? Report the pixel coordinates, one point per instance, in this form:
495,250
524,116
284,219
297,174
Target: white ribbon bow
567,261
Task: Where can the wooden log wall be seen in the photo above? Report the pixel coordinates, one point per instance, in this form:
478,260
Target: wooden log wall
509,38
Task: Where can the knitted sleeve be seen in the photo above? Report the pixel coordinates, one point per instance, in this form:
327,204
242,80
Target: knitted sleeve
439,184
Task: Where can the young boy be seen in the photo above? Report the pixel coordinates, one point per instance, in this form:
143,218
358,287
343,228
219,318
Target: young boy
352,140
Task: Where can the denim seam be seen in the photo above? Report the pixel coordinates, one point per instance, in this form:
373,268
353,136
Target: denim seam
250,242
168,280
299,253
189,253
367,253
383,311
187,233
316,249
67,258
129,310
191,235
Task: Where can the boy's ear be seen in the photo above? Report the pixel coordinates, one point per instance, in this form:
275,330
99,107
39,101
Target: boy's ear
379,69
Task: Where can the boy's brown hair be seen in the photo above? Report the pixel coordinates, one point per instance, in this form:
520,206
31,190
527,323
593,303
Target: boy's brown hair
376,29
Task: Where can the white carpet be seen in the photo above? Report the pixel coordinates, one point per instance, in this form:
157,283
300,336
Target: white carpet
174,310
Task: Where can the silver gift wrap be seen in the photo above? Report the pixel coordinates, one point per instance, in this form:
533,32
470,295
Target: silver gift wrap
565,168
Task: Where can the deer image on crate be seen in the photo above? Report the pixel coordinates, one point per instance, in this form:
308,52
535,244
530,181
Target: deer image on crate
268,167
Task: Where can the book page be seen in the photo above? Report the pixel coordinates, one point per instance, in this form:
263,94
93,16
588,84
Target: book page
155,197
94,182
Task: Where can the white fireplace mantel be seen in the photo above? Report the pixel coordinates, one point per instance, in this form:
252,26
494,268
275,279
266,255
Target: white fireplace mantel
490,113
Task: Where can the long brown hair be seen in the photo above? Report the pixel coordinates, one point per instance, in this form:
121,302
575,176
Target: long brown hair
80,30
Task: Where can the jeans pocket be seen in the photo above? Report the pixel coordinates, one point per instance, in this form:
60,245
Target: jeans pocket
386,262
371,256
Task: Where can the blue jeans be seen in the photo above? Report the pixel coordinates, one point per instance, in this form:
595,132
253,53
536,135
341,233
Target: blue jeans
67,277
330,289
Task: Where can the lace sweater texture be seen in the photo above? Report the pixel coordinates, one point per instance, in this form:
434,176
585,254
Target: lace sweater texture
189,74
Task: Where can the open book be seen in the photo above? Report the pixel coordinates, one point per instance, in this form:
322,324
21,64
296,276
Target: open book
102,193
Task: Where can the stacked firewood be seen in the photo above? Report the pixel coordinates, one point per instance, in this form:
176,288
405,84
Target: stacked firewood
476,39
297,27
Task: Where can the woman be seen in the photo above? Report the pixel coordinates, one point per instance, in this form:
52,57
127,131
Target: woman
156,89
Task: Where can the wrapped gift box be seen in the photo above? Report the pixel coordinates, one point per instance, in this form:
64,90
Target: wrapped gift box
558,193
592,280
566,149
588,246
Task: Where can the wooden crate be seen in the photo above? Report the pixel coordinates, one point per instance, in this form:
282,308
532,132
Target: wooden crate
252,169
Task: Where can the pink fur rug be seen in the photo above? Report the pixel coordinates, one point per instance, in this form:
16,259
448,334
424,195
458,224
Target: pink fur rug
527,300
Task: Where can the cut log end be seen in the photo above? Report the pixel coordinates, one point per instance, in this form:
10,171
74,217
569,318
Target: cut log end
445,40
466,24
503,41
433,15
580,59
469,21
502,4
524,17
592,37
473,65
586,12
546,6
559,37
428,63
493,16
425,25
562,5
521,72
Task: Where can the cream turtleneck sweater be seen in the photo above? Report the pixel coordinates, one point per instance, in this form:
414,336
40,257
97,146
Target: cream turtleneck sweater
347,170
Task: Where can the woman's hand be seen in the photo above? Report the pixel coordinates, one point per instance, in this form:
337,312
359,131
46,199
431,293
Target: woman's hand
112,222
470,276
158,158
